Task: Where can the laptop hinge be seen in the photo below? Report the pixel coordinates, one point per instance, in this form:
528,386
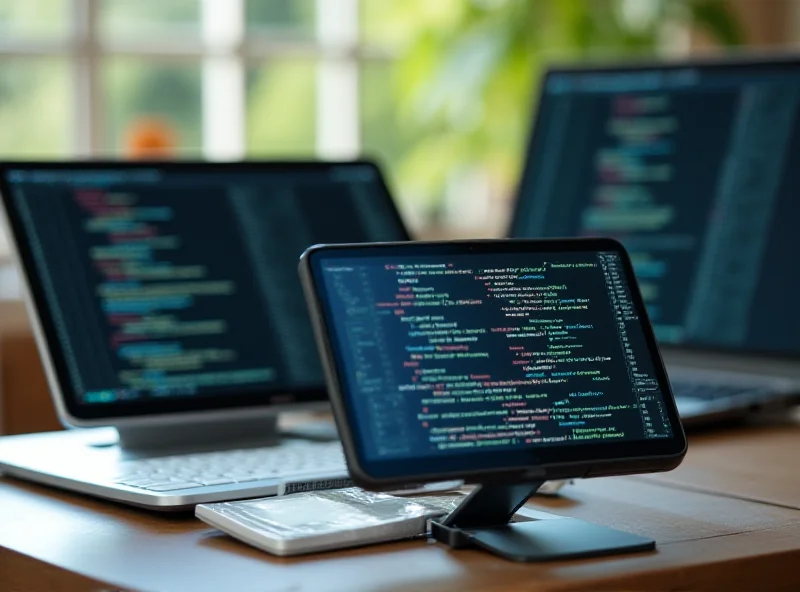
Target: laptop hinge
218,434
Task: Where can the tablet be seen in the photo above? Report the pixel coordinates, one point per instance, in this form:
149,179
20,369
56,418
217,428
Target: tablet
502,360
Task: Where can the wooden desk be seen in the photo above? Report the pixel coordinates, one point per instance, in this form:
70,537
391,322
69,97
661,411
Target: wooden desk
706,540
758,462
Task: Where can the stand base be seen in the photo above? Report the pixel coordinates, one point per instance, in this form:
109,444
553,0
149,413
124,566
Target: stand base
543,540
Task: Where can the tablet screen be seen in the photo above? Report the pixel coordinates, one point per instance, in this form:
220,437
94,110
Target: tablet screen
445,353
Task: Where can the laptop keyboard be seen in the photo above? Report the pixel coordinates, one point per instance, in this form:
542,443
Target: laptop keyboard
713,391
188,471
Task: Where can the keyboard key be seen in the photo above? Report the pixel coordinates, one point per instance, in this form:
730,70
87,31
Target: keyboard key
146,483
248,478
220,481
173,486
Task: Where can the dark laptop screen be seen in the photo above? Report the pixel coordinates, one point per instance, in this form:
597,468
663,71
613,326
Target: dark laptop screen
180,282
696,169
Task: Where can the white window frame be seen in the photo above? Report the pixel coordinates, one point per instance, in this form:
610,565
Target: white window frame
224,51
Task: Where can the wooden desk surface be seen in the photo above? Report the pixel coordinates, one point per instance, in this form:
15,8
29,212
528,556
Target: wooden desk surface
705,541
756,462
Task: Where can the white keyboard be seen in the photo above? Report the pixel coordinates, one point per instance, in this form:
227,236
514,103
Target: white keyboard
188,471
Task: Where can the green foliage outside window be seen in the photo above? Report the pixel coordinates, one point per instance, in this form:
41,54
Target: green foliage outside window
462,91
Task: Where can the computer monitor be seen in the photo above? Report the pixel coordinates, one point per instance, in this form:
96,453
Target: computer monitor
166,292
695,167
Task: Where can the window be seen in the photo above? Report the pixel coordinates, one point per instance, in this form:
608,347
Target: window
219,79
222,78
226,79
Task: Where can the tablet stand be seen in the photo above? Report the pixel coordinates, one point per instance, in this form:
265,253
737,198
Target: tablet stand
483,520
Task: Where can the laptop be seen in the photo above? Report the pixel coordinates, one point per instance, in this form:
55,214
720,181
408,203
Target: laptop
170,320
695,168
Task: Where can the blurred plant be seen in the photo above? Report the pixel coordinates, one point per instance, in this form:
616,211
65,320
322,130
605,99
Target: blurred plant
281,109
463,84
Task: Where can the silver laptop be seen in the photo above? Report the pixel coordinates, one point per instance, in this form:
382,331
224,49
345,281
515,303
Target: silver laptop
695,167
168,311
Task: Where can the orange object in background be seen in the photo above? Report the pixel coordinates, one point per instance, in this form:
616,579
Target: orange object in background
150,137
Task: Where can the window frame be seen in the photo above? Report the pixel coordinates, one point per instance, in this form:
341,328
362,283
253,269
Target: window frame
224,51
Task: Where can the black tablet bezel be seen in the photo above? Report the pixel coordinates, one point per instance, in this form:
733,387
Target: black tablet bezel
550,461
101,413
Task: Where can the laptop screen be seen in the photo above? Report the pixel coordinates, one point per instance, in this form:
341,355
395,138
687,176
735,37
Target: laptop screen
175,287
696,170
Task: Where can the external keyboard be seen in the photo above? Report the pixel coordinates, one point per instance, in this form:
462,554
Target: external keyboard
188,471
